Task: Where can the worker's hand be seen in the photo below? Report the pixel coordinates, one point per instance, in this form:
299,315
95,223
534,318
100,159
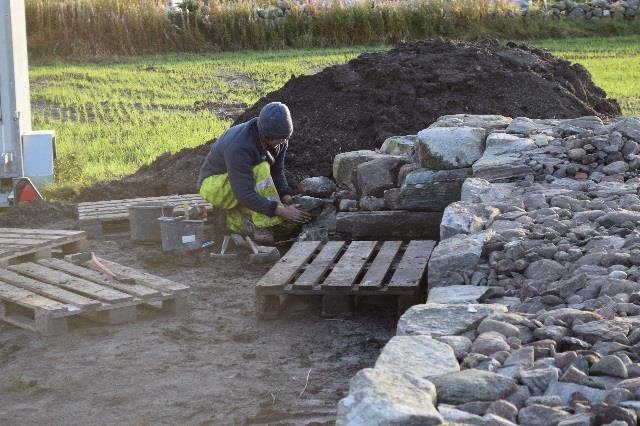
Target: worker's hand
287,199
292,214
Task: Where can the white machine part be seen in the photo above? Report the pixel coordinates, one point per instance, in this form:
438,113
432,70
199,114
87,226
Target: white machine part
15,108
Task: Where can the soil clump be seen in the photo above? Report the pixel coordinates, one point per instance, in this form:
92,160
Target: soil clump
359,104
39,214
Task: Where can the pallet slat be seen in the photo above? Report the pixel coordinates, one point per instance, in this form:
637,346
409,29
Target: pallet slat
149,280
349,266
48,290
17,243
97,277
61,233
85,287
316,270
288,265
381,264
29,299
413,265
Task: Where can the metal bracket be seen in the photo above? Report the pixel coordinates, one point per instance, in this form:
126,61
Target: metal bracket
6,158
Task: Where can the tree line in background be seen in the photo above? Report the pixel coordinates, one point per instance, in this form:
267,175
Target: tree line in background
81,28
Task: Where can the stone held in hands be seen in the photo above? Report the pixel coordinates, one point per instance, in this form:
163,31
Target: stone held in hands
317,186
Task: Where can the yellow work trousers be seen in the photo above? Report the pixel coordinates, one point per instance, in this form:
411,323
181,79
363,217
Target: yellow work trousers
216,189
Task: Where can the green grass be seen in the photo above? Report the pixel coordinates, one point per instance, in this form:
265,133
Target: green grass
114,116
614,64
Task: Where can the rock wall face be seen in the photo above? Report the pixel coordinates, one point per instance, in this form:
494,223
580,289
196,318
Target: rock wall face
535,284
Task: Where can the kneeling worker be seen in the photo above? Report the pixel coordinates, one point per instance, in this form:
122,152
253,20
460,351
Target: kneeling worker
243,174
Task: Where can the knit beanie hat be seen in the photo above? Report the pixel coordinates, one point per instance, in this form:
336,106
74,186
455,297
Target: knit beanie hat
274,121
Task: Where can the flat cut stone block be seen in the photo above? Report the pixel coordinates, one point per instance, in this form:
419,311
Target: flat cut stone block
434,319
390,224
443,148
431,190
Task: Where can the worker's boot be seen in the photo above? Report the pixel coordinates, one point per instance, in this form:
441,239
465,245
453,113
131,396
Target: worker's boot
264,237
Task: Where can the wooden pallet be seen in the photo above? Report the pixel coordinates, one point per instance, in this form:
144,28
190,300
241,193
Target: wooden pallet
24,245
43,296
337,271
102,217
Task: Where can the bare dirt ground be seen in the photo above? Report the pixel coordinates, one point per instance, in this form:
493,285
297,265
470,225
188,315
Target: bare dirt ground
215,365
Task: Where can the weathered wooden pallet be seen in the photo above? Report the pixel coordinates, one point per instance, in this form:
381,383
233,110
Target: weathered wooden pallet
44,295
102,217
338,270
23,245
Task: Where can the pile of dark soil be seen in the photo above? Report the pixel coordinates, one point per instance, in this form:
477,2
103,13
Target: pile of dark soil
39,214
359,104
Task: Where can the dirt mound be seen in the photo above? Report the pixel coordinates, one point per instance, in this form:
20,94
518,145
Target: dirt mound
359,104
39,214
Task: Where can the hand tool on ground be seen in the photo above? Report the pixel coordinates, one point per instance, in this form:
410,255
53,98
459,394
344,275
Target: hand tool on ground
223,250
238,240
186,207
91,257
261,254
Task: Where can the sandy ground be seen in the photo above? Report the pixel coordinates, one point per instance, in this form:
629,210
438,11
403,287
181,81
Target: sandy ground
215,365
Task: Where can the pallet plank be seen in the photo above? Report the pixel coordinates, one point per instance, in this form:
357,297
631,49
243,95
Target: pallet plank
97,277
47,290
85,287
316,270
29,299
380,266
349,266
413,265
148,280
25,242
18,242
288,265
62,233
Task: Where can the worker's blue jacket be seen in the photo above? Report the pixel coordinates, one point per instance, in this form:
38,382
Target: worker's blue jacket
236,152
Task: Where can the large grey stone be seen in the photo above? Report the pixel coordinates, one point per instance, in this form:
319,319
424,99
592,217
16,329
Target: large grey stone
476,190
545,270
380,398
526,126
417,355
389,224
454,259
539,379
317,186
466,218
443,148
629,127
444,320
618,217
472,385
541,415
376,176
459,344
566,390
605,330
488,121
432,190
456,294
503,157
399,145
455,416
489,343
345,164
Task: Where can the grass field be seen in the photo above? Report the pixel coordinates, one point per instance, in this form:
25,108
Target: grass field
114,116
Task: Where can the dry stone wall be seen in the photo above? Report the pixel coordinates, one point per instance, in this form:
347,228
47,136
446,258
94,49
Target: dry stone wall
534,288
